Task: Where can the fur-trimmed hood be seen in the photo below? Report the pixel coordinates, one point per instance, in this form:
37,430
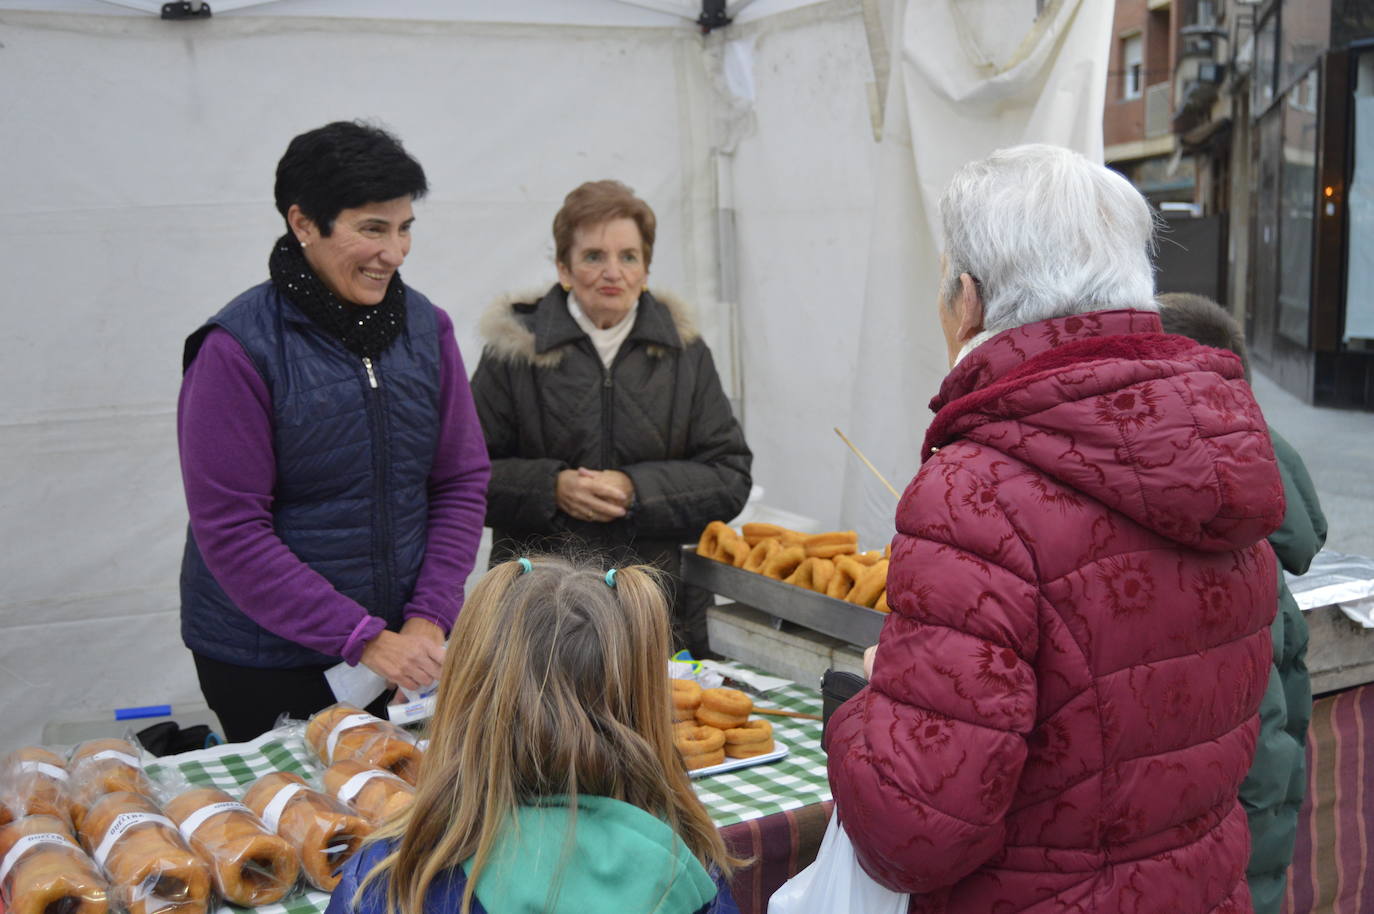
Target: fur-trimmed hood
534,326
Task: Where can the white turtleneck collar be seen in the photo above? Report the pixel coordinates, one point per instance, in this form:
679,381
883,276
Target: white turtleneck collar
607,342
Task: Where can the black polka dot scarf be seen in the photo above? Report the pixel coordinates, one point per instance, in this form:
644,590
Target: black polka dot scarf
364,330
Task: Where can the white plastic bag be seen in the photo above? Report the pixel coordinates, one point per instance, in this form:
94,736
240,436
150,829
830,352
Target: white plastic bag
836,882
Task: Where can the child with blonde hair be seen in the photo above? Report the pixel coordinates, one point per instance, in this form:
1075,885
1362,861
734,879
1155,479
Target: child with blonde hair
551,782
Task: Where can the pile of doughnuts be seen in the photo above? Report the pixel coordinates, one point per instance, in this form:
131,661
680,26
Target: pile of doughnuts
374,793
343,732
43,869
251,865
711,725
94,832
826,563
150,867
101,766
324,832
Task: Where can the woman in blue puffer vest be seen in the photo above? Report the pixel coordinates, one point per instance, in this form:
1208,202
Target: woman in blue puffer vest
334,466
551,783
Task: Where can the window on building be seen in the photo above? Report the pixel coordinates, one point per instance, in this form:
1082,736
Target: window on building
1297,194
1266,66
1359,284
1132,66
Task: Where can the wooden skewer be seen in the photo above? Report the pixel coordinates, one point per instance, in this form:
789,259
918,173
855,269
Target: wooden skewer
868,463
779,712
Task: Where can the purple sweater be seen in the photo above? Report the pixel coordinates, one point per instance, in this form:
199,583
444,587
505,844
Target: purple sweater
224,429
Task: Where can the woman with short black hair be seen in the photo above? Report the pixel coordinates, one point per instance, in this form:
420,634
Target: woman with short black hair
335,471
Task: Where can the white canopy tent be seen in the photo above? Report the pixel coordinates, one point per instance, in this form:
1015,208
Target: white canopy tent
138,160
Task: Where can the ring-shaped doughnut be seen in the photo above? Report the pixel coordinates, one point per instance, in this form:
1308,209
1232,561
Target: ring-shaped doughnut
755,533
686,693
784,562
735,552
813,574
707,717
751,731
698,740
760,554
713,539
704,759
829,545
724,708
847,574
749,750
870,585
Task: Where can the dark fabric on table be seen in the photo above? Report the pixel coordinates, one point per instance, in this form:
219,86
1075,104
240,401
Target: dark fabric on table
780,846
1331,860
248,700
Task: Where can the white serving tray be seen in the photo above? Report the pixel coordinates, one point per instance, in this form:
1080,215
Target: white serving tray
731,764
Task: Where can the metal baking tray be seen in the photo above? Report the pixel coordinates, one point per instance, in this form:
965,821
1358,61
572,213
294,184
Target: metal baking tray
841,619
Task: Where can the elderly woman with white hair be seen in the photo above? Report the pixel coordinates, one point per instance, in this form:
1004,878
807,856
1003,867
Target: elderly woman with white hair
1062,704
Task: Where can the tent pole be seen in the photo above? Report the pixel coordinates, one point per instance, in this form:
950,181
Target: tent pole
727,270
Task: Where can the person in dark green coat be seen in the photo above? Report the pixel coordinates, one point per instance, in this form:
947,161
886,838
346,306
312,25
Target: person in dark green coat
1272,792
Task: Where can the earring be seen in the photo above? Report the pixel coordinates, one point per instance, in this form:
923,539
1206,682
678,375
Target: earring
567,287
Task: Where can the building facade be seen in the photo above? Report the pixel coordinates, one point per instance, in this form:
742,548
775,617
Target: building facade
1284,147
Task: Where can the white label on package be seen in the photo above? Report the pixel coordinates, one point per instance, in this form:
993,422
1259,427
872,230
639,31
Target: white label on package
420,709
51,771
124,757
24,844
197,819
355,784
122,823
348,723
272,814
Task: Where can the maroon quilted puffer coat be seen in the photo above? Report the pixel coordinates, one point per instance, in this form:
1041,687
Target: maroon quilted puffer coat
1064,698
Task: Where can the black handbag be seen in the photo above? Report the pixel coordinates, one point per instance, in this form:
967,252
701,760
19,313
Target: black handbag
837,687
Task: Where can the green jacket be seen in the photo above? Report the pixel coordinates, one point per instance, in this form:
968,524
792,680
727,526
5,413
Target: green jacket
1273,790
617,858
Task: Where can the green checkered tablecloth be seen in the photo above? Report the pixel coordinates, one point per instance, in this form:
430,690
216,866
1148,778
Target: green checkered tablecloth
731,797
789,783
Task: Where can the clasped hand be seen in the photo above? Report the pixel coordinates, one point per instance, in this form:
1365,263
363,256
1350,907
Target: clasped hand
600,496
411,658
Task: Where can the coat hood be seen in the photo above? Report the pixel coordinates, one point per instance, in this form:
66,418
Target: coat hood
610,856
532,327
1156,426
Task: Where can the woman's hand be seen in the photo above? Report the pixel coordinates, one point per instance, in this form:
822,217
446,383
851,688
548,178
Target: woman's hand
594,495
409,660
423,628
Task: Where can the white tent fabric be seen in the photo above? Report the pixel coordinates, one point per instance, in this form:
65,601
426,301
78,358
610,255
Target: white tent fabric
971,76
139,156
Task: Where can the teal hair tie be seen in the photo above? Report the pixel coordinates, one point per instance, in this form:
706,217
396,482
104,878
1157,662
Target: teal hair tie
610,579
525,566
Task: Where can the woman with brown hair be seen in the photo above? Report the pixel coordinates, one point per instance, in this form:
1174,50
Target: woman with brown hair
603,414
551,782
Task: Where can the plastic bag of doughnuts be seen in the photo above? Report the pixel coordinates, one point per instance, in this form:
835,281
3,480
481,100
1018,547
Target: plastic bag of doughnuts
377,795
101,766
34,782
324,832
252,866
342,731
44,871
149,866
